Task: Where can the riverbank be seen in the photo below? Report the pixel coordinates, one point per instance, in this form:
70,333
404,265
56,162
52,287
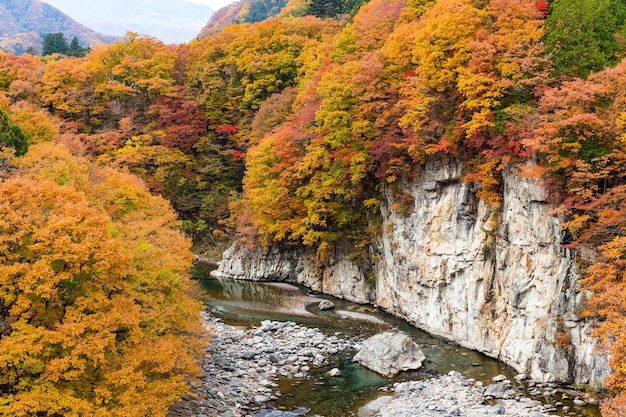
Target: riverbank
455,395
242,367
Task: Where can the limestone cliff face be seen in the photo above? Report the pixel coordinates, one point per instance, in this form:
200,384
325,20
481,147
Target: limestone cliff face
498,282
340,276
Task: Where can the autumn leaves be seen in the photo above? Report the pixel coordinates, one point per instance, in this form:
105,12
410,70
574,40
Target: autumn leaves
94,285
324,114
491,83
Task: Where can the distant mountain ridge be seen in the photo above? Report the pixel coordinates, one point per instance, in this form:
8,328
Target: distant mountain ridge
242,11
24,23
172,21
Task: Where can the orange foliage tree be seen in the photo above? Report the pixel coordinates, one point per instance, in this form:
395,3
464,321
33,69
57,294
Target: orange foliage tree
95,303
581,139
235,71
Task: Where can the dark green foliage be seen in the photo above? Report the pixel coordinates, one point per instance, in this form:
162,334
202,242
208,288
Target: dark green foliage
334,8
75,49
263,9
585,35
12,136
326,8
54,43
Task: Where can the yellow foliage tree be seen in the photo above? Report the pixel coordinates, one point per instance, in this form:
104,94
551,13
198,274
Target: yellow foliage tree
96,311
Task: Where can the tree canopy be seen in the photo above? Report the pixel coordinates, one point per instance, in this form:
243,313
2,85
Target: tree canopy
95,299
286,131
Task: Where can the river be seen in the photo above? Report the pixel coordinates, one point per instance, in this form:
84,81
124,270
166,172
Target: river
245,303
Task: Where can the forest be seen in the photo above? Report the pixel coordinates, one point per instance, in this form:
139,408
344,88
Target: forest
115,165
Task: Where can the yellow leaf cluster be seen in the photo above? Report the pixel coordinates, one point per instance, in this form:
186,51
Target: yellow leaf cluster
93,279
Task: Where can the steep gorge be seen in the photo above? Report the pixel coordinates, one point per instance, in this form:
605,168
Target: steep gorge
498,282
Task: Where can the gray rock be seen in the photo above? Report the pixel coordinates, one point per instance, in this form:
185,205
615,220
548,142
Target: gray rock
260,399
372,408
274,358
326,305
334,372
389,353
454,411
496,390
247,355
497,409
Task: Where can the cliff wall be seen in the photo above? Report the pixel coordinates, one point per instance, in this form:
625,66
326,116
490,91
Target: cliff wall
495,281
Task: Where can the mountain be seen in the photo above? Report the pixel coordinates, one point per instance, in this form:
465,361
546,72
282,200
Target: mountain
172,21
242,11
24,23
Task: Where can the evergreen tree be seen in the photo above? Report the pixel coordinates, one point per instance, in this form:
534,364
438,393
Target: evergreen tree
12,136
584,36
326,8
54,43
75,49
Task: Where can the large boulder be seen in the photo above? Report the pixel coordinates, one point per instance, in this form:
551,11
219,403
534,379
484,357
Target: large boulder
389,353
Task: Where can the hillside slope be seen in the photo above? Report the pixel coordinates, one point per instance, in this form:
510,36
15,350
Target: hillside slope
242,11
23,23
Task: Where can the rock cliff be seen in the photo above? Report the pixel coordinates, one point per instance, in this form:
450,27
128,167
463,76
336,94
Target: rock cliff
495,281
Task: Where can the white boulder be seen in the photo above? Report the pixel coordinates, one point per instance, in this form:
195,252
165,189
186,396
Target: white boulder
389,353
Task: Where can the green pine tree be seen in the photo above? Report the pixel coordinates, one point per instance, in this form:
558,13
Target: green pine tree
54,43
583,36
75,49
12,136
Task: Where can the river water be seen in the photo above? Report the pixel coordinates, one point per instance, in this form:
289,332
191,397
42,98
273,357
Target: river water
246,303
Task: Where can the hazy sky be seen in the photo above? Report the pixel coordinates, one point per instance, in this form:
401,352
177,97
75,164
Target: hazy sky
114,17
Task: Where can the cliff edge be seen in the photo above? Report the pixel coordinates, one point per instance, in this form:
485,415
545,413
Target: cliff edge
498,281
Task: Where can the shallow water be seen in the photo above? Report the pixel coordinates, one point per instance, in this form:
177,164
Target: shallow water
248,303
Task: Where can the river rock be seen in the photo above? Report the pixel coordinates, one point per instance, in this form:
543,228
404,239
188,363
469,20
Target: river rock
272,412
326,305
244,363
445,396
372,408
496,390
389,353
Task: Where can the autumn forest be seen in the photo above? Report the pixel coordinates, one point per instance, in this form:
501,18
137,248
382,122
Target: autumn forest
113,165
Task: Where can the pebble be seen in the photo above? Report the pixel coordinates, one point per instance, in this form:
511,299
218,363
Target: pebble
242,367
450,395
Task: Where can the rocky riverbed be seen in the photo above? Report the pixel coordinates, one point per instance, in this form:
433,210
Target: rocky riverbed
455,395
242,367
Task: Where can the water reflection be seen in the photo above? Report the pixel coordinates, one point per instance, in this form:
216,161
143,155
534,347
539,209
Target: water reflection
253,292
